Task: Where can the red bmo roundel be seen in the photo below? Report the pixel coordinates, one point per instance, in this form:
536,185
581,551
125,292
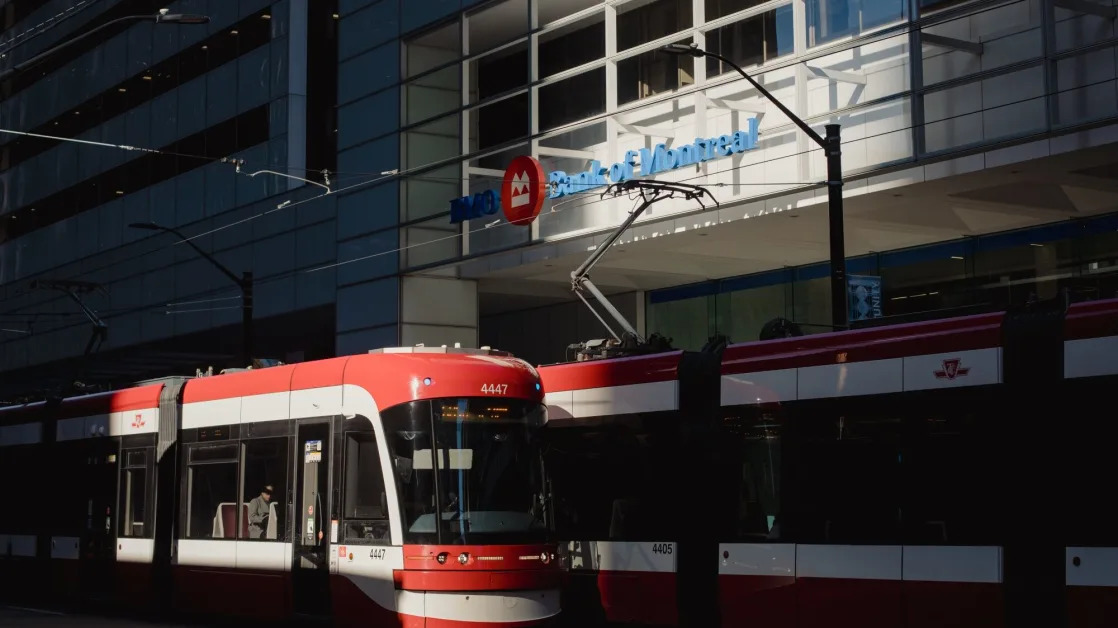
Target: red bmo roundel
523,190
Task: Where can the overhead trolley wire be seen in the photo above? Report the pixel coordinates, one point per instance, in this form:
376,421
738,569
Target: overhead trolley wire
555,209
22,38
237,163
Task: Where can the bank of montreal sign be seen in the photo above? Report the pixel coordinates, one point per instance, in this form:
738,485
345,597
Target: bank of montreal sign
519,176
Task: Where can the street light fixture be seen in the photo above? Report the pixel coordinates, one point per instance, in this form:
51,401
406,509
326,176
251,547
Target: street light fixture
832,148
163,17
244,282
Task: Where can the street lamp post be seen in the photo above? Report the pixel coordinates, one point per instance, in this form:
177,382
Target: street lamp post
832,148
163,17
244,282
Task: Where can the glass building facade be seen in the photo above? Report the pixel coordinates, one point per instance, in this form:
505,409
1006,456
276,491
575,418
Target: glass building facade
924,90
236,88
975,140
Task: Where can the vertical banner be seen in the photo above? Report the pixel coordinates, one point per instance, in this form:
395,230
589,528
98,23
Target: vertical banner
864,295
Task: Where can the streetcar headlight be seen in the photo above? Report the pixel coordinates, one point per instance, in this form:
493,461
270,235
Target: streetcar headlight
463,558
441,558
544,558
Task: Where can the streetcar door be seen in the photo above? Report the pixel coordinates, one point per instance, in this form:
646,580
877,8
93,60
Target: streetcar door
311,568
98,540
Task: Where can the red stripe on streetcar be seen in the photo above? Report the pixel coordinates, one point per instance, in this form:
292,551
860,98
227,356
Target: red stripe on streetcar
663,367
841,603
128,399
434,622
643,597
391,378
1092,607
222,591
141,398
244,384
321,374
764,600
1095,319
353,608
934,604
961,334
398,378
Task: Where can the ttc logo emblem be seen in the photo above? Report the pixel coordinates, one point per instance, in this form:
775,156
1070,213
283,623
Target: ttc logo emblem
138,422
952,369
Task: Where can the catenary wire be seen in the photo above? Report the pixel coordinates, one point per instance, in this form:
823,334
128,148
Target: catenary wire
805,185
236,162
43,27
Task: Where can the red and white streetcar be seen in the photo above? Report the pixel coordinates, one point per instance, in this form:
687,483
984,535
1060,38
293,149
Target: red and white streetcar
403,487
955,472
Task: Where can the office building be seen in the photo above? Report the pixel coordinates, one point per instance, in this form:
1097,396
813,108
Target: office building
977,153
240,87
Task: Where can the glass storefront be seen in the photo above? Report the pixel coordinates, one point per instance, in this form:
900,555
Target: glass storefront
988,272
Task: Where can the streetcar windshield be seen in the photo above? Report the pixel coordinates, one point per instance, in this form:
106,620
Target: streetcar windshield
468,470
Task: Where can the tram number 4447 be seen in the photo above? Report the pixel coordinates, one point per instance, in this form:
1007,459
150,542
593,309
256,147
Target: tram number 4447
662,548
494,389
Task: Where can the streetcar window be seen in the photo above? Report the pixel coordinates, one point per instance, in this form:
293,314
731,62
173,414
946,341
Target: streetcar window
68,508
484,483
133,487
844,474
262,512
214,453
133,495
26,492
952,478
212,493
365,511
1090,467
913,468
754,435
610,481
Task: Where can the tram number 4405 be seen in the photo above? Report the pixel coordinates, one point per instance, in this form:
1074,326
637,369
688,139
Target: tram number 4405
662,548
494,389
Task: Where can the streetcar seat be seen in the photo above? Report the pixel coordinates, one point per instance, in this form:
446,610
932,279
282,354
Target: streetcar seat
270,533
225,521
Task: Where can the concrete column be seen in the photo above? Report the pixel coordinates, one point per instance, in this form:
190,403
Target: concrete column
438,310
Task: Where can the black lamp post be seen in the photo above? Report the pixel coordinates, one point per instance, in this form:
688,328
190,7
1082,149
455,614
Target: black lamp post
163,17
244,282
831,145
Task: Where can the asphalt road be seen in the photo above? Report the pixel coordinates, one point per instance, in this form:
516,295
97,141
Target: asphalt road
18,617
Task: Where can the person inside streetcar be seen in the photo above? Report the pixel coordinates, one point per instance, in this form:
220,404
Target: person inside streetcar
258,513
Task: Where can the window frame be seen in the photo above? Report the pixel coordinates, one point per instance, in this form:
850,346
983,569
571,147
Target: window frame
344,520
187,483
279,497
126,468
798,507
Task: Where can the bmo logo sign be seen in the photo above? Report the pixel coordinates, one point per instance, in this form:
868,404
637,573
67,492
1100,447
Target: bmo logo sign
521,197
523,190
